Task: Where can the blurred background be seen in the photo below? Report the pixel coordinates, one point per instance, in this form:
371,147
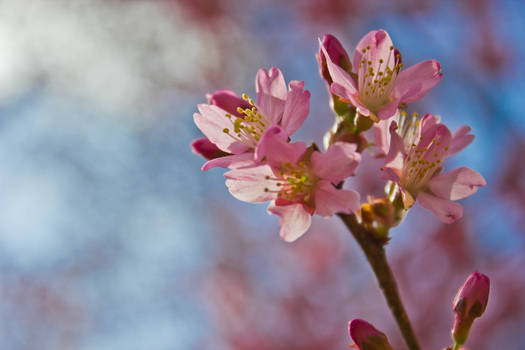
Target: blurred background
112,238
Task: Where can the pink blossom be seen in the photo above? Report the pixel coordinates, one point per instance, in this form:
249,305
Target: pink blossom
236,125
377,85
367,337
417,149
298,181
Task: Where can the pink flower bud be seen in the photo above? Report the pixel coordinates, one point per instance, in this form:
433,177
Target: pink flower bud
367,337
206,148
470,303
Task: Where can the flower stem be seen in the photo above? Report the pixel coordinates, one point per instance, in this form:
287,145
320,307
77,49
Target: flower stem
375,254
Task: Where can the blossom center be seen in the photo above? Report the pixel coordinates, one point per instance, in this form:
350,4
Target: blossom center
250,126
376,78
295,182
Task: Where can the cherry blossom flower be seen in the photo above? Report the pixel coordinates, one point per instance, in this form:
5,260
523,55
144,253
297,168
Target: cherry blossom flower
417,149
236,125
367,337
377,85
298,181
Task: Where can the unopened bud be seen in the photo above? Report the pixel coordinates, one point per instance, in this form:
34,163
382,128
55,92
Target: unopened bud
470,303
367,337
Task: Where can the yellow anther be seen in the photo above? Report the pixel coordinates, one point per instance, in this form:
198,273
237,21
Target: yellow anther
225,130
245,97
240,110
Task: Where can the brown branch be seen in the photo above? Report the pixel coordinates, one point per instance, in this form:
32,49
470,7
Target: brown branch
375,254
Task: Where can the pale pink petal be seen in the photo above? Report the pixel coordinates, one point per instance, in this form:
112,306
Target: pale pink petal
206,148
397,153
254,185
271,93
294,220
296,107
329,200
440,143
381,132
460,139
456,184
338,74
414,82
388,110
276,150
227,100
337,163
380,43
212,122
234,161
447,211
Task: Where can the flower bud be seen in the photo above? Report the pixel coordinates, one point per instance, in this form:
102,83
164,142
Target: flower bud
470,303
367,337
207,149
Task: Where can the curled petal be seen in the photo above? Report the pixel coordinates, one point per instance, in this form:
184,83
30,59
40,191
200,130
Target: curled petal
337,55
338,74
271,93
456,184
397,153
414,82
460,139
329,200
446,211
234,161
253,185
294,220
337,163
296,107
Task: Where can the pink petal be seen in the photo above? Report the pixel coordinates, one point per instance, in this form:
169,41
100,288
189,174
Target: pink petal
296,107
367,337
295,220
234,161
206,148
381,132
274,146
253,185
337,163
380,43
212,121
338,74
271,93
388,110
396,155
414,82
227,100
337,55
456,184
347,96
460,139
445,210
329,200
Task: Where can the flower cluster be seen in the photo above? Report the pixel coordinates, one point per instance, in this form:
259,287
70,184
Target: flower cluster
252,138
